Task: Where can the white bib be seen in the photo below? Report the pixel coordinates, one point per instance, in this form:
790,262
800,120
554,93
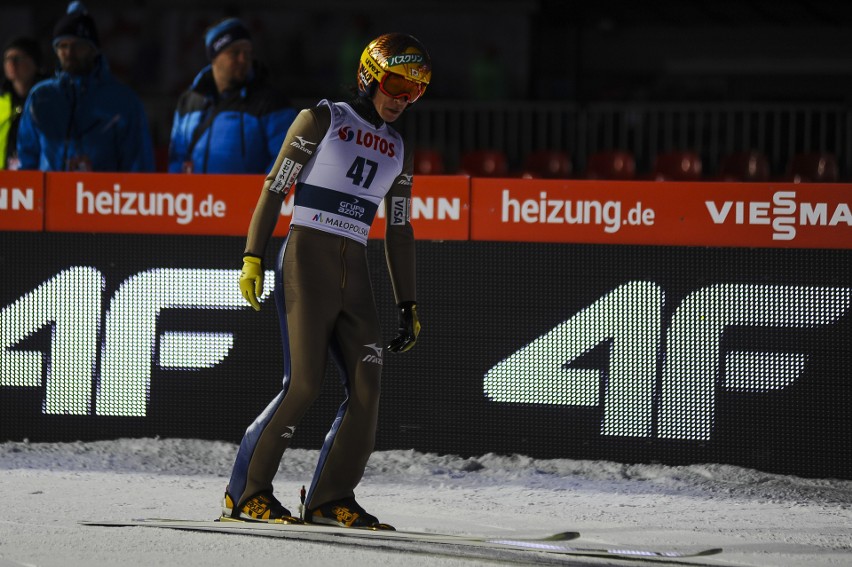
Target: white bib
340,188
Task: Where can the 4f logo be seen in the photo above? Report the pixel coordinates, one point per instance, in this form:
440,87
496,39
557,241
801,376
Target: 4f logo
630,320
124,342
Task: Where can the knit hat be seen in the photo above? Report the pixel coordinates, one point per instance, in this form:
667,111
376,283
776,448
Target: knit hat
29,46
223,34
76,23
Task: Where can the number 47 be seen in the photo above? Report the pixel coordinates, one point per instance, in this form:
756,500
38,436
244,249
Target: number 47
356,171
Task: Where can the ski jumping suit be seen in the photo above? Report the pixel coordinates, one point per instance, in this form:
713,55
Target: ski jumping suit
345,160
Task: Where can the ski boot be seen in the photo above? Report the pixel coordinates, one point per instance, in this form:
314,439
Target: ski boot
262,507
345,513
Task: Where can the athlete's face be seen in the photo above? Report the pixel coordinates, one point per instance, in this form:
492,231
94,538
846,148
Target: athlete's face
389,108
232,65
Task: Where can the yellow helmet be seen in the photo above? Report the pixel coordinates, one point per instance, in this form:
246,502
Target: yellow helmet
397,64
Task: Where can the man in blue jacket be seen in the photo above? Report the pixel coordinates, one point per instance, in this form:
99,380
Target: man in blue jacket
83,119
230,120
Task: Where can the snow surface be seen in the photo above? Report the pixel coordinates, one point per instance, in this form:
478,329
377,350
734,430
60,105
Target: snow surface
759,519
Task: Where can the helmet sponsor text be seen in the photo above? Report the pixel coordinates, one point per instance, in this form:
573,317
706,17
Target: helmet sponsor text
405,58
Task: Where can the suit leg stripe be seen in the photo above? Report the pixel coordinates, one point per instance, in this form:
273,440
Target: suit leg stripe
239,475
336,355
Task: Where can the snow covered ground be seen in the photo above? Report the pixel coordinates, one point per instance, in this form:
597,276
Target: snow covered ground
759,519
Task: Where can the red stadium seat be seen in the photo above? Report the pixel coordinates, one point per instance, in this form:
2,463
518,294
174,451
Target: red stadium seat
428,162
161,158
744,166
813,167
614,164
677,166
548,164
484,163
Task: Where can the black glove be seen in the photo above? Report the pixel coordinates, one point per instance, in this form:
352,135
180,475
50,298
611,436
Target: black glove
409,327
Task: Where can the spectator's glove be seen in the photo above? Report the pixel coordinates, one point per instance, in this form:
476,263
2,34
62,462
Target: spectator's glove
409,328
251,280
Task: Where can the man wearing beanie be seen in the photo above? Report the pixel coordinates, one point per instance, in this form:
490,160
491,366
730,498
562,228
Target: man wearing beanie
230,120
21,70
83,119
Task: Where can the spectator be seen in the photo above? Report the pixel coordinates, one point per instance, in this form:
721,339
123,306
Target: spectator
83,119
22,69
230,120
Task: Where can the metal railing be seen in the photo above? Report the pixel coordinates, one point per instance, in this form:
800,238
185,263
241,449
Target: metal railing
713,130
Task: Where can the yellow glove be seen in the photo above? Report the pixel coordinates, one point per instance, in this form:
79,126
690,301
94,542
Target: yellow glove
251,280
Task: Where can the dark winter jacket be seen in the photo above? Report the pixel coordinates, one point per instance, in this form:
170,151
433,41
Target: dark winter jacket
236,132
90,122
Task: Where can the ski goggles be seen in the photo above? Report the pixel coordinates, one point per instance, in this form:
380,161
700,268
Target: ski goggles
397,86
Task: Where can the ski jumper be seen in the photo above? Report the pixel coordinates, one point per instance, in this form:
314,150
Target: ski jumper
344,164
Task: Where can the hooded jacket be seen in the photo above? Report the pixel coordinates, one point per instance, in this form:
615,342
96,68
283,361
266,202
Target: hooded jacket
91,122
235,132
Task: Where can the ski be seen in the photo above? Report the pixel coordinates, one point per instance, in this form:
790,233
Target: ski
295,530
381,533
551,544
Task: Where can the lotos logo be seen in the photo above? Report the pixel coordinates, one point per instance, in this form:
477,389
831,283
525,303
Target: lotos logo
369,140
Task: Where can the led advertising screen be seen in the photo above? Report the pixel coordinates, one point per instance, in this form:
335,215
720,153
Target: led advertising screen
632,353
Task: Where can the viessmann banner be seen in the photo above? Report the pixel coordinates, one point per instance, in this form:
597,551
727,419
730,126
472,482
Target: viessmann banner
681,214
757,215
22,200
